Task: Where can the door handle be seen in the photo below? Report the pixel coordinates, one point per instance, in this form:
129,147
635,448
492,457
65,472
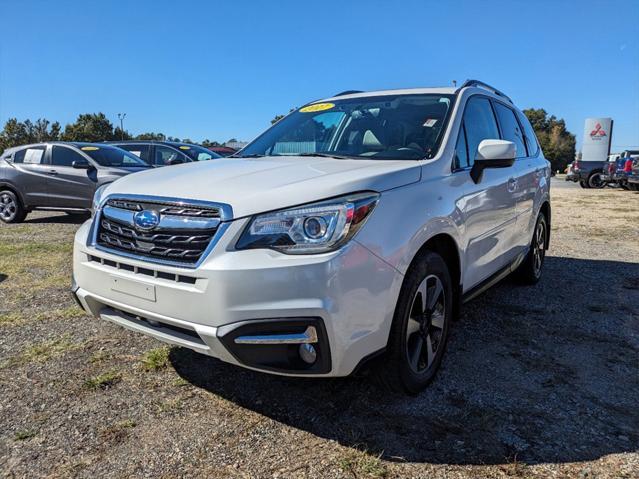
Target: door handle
512,185
52,172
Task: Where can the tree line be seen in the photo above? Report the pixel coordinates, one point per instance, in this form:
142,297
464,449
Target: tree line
557,143
89,127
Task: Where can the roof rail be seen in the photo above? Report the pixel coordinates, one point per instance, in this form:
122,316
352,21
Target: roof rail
349,92
485,86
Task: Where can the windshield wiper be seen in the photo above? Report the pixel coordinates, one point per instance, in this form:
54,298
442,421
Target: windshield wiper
327,155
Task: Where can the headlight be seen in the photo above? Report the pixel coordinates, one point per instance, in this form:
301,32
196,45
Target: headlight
313,228
97,198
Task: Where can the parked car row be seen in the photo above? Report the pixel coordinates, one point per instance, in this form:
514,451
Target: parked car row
617,170
64,175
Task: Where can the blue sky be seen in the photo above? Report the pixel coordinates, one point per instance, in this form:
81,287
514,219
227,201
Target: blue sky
222,69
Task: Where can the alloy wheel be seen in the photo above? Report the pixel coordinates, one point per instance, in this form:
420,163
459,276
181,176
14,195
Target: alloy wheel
8,207
539,247
425,325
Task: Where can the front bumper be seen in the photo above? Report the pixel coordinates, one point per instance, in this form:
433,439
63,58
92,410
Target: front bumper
348,296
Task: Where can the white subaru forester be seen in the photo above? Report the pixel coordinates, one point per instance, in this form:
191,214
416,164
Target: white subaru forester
353,227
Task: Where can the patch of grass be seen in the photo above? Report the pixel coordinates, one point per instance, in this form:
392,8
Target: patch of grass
24,435
103,381
362,464
170,405
47,350
156,359
181,382
11,319
99,356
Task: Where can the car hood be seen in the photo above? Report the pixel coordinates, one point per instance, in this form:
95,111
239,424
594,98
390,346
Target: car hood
253,186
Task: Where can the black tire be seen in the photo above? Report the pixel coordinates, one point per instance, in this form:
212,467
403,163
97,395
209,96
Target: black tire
625,186
633,186
427,343
595,181
529,272
583,184
11,209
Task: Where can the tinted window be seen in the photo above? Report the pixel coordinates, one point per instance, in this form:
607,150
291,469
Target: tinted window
33,155
480,124
141,151
112,156
461,151
62,156
165,155
510,128
198,153
531,138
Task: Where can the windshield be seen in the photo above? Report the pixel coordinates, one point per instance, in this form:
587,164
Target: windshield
198,153
382,127
112,156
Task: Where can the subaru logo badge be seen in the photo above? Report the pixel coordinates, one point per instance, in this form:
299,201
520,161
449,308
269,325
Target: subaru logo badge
146,220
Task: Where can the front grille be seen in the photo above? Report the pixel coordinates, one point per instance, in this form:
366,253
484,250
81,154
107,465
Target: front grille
181,245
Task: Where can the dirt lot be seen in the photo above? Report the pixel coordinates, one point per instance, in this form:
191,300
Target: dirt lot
537,382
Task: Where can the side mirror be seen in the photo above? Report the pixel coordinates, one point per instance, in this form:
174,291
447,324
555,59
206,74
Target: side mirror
81,165
493,154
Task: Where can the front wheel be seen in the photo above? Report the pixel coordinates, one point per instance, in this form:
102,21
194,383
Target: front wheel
583,184
11,210
420,325
529,272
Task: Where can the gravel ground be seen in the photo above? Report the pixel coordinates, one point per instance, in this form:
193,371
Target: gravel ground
537,381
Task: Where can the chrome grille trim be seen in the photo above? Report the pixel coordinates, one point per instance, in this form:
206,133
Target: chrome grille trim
187,233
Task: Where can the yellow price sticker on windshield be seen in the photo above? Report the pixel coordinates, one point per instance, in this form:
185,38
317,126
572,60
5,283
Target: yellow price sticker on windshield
185,148
89,148
317,107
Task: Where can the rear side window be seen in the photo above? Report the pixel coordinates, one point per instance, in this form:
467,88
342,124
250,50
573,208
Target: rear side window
33,155
510,128
480,124
141,151
62,156
531,138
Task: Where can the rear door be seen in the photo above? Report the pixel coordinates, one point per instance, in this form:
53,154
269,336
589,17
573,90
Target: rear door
488,207
70,187
527,174
30,173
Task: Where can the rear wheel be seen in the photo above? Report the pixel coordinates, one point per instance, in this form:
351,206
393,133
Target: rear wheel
420,326
595,180
11,210
529,272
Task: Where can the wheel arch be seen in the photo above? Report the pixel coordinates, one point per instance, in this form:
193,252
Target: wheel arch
4,185
446,246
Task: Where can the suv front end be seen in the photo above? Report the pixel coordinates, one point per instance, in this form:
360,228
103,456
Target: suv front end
190,274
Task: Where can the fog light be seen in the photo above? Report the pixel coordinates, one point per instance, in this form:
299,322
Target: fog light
308,353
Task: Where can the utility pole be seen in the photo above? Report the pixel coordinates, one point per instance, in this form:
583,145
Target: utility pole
121,118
